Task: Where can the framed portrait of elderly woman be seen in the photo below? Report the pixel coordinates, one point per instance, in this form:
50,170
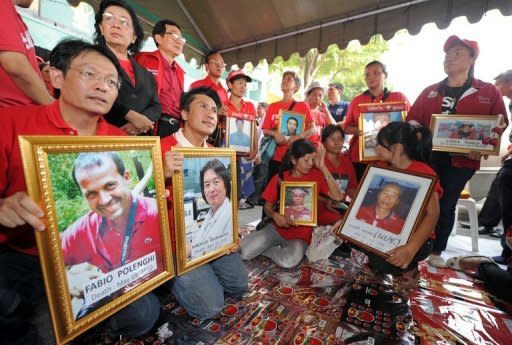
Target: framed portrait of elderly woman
291,123
388,206
205,206
298,201
107,238
373,117
466,133
239,134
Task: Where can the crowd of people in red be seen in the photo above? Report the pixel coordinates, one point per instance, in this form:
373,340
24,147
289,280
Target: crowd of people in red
111,88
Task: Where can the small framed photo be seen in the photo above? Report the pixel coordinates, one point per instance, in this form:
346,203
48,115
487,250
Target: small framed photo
240,133
298,201
205,206
107,241
374,116
291,123
466,133
388,206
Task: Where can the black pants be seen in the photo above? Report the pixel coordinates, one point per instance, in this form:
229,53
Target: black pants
259,176
490,215
505,183
497,281
167,125
378,263
360,168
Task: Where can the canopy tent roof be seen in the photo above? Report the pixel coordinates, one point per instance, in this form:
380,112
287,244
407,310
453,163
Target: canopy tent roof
251,30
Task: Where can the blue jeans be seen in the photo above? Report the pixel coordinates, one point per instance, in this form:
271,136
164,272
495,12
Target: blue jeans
22,289
201,291
452,180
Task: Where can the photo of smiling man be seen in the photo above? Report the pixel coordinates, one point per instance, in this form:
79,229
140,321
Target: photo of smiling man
116,245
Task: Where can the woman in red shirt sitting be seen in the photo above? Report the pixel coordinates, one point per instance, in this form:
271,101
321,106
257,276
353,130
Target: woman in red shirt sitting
282,240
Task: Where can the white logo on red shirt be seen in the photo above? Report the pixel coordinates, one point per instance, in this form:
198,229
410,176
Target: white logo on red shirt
27,40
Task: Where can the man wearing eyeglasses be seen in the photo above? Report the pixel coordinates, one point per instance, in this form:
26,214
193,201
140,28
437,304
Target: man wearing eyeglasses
87,77
215,66
20,78
168,74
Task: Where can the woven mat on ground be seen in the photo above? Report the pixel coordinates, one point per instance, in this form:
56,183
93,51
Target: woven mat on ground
334,302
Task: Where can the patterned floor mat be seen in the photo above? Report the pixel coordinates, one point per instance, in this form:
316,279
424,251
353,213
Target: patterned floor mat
337,302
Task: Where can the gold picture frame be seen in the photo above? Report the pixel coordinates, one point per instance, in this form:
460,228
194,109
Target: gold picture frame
465,133
374,116
237,141
362,227
284,118
60,166
303,193
196,190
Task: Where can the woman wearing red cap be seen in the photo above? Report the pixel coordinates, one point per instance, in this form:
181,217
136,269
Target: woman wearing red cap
236,107
459,93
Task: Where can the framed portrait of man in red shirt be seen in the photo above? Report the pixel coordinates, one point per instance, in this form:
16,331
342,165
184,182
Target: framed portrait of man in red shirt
107,240
387,208
373,117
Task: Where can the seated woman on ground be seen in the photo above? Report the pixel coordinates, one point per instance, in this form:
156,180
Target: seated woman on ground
408,148
281,240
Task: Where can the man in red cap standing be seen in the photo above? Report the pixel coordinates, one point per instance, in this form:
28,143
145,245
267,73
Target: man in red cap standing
238,108
459,93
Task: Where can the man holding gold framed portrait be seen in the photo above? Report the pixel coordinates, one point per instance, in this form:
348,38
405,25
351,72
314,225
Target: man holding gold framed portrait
87,78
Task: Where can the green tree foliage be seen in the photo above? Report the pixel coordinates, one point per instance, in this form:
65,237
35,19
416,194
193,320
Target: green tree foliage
69,202
335,65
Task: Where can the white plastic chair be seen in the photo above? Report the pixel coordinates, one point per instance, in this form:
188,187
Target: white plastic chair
470,204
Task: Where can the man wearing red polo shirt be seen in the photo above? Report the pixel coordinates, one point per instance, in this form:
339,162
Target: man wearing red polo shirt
215,66
87,77
20,78
168,74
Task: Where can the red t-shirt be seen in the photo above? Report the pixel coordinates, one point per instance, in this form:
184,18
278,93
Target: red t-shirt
392,223
344,173
96,240
30,120
352,118
272,192
208,82
272,121
321,120
14,37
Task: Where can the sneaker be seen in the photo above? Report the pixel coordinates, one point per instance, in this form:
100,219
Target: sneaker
437,261
244,205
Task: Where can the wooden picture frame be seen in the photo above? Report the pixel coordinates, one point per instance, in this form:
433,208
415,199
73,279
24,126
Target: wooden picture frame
374,116
404,194
240,139
299,201
466,133
287,116
86,186
193,206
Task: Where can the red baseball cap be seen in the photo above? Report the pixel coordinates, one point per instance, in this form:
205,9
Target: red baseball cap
455,40
237,74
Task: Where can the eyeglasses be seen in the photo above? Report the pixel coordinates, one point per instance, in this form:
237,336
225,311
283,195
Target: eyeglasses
110,19
218,63
176,37
90,76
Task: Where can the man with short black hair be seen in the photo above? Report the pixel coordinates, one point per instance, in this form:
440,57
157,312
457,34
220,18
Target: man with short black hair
215,67
167,72
88,79
337,107
200,291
